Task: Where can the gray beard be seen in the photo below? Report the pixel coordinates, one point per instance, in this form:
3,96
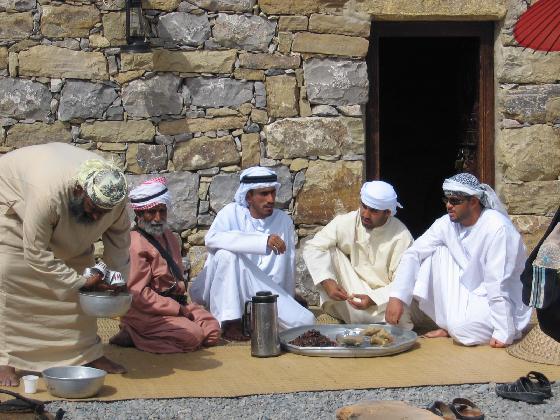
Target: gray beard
151,228
76,207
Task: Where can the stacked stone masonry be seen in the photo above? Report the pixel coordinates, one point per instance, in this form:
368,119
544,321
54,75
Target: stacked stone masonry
233,83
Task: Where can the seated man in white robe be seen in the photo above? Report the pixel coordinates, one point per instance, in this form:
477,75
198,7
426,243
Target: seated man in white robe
464,270
251,248
353,258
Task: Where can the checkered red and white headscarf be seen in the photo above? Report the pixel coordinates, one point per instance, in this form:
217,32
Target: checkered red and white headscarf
150,194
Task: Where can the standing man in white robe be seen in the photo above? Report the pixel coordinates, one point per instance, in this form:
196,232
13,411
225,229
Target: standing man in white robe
56,200
353,258
464,270
251,248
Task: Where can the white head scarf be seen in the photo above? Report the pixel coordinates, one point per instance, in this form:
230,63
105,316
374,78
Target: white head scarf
468,184
252,179
103,182
380,196
150,194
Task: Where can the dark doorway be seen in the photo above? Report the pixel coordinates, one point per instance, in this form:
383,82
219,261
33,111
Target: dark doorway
426,118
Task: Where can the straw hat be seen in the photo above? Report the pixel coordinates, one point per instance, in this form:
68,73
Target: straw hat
537,347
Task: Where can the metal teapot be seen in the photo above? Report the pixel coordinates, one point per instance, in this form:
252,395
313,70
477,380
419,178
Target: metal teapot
263,319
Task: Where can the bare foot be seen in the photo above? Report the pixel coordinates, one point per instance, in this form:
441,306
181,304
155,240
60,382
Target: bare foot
436,333
233,331
8,376
122,338
107,365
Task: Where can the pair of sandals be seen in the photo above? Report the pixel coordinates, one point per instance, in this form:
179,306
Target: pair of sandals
533,388
21,404
460,408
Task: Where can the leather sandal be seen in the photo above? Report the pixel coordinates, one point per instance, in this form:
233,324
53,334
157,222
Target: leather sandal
542,383
21,404
466,409
521,390
439,408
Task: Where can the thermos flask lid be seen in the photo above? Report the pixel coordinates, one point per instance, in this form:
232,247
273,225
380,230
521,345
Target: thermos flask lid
264,297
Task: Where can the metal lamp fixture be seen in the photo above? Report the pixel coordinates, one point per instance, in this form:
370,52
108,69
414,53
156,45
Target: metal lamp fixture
136,31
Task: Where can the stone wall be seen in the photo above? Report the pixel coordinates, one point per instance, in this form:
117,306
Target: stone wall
233,83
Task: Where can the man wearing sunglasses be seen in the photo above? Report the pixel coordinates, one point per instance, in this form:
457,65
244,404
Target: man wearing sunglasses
464,270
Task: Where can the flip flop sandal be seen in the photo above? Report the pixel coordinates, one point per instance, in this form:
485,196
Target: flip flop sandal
439,408
542,383
520,390
21,404
466,409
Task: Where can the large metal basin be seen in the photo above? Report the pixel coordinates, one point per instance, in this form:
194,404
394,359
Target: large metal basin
105,304
74,381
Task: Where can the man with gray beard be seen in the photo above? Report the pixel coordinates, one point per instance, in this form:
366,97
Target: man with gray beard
160,320
56,200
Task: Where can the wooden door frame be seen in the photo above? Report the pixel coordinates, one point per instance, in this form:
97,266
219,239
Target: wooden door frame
484,31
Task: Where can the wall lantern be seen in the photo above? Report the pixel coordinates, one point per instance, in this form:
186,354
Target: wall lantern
136,28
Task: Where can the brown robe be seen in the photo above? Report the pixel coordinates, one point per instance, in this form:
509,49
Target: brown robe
43,251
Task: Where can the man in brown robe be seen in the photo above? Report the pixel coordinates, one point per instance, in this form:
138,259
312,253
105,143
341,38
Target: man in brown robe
160,320
56,200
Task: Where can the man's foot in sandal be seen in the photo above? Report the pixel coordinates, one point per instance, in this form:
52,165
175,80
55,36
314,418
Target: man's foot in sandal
521,390
466,409
439,408
440,332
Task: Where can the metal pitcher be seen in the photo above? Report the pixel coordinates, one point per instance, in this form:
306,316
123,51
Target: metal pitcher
261,313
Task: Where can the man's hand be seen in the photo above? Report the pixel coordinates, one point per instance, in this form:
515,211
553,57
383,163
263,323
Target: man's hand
394,311
95,282
276,244
364,301
497,344
334,291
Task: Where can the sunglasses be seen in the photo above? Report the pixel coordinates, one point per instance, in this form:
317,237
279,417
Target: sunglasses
454,201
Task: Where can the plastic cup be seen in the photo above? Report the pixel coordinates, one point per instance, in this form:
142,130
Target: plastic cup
30,384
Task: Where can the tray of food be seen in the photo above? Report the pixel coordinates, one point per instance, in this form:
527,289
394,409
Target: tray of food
347,340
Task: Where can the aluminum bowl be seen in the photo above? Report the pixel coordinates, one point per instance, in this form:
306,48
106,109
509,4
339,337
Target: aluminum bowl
74,381
105,304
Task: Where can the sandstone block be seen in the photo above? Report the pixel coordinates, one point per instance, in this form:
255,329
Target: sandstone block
98,41
282,96
530,153
343,45
153,97
248,74
528,103
292,23
445,10
336,82
538,197
300,7
21,135
127,76
225,5
552,107
532,228
298,164
194,125
62,21
219,92
330,188
285,42
15,26
301,137
518,65
24,99
250,150
112,147
194,61
49,61
83,100
137,61
165,5
184,28
197,258
251,33
114,28
183,187
118,131
17,5
205,152
259,116
3,58
268,61
343,25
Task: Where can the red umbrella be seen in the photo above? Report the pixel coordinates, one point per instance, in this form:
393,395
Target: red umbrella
539,27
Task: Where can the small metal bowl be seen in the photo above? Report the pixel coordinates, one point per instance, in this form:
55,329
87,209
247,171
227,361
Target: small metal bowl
105,304
74,381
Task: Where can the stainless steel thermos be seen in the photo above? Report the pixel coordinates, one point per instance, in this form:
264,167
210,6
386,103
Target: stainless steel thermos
261,312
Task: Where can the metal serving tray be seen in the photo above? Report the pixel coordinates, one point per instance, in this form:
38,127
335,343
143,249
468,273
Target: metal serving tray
403,341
